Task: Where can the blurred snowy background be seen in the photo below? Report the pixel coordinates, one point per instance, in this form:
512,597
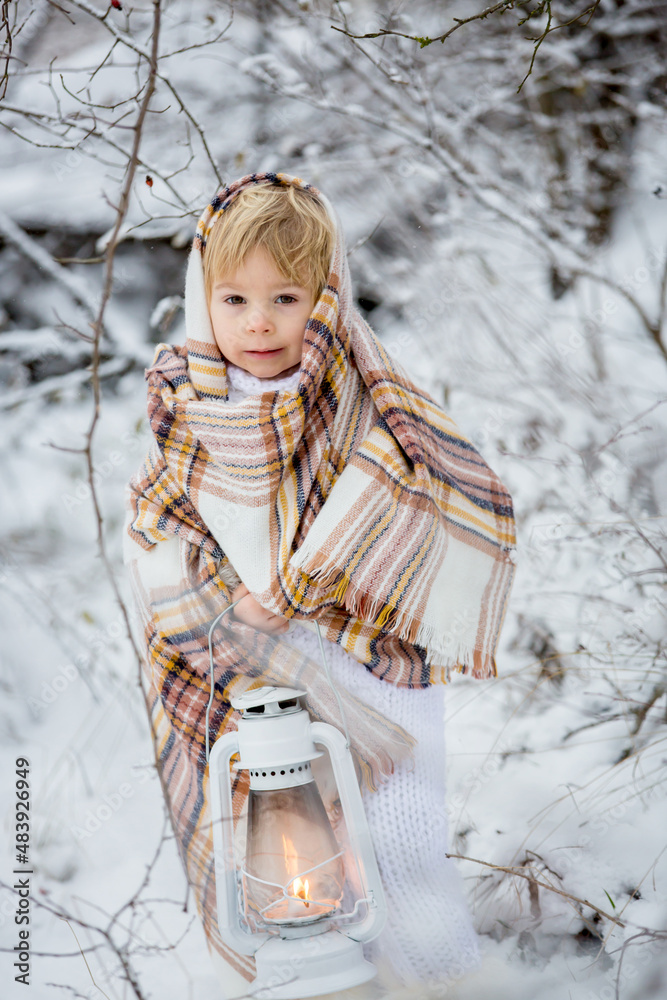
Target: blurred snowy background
508,242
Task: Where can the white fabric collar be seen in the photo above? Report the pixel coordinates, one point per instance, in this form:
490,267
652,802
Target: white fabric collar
250,385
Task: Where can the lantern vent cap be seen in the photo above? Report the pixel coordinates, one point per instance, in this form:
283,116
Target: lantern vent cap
268,700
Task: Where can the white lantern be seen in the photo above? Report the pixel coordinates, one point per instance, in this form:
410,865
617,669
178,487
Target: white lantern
296,899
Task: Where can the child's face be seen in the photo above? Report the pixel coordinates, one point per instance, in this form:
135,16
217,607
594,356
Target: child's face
258,318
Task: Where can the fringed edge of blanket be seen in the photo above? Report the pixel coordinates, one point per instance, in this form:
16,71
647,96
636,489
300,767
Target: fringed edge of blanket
458,654
365,772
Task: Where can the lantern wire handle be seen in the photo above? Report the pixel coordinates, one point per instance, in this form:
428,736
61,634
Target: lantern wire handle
210,661
333,688
211,631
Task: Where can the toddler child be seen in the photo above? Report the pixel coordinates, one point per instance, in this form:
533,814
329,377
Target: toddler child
297,470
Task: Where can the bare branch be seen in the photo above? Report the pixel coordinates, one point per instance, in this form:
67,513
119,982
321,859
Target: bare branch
6,47
127,40
31,250
517,870
501,7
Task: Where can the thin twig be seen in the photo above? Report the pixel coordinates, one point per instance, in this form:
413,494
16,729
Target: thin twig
515,870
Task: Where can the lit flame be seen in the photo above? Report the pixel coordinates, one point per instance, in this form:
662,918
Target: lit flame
300,888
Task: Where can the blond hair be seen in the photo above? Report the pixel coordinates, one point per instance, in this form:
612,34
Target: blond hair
291,224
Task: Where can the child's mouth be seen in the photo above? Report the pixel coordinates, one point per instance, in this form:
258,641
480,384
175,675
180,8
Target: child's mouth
264,354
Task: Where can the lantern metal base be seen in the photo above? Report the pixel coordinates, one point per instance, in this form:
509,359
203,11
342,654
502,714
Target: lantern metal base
289,969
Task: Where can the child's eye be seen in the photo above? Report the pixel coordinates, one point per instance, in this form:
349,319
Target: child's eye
236,299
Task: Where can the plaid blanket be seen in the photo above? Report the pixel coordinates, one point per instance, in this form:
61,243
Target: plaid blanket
354,501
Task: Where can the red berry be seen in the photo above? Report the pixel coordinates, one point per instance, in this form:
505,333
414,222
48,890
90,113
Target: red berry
116,4
149,180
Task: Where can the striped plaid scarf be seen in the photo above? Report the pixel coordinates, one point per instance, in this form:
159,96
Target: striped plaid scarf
354,501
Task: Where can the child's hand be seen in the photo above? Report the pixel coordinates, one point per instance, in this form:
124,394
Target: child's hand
251,613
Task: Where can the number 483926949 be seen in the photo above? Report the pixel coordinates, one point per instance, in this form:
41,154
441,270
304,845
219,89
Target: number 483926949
22,809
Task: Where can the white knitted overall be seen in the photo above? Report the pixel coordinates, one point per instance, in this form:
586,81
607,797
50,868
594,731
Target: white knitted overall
429,933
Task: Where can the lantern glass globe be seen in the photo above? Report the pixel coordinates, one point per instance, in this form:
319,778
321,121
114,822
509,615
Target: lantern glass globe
294,868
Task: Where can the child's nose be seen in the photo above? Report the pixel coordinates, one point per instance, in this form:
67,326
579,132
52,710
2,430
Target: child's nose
258,321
